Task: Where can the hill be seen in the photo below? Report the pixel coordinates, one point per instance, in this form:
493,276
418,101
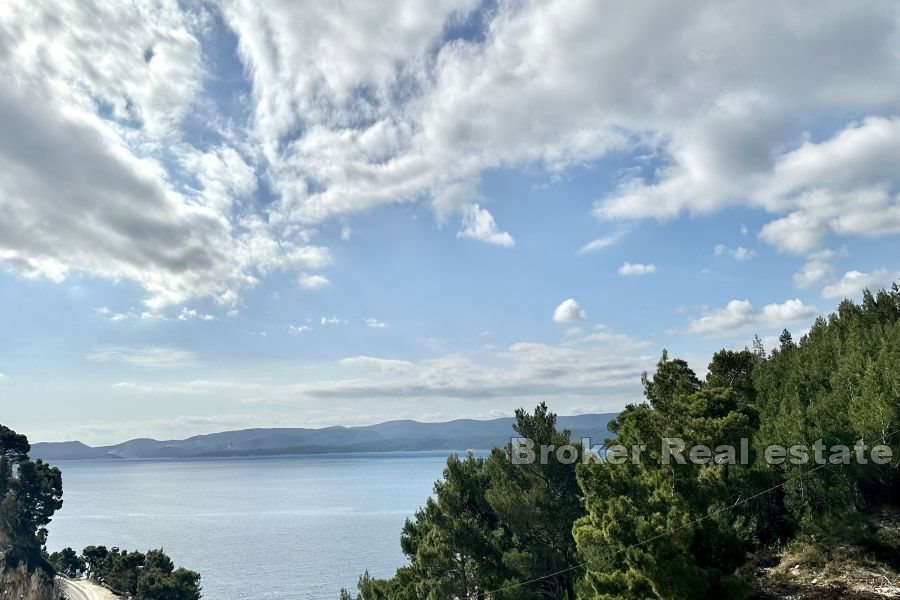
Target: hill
392,436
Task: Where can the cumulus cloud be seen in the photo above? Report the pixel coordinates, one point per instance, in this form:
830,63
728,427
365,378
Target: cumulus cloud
569,311
637,269
816,269
719,131
375,323
93,148
479,224
352,106
741,315
853,283
840,186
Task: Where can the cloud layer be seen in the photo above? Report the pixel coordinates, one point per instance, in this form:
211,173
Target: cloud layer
124,158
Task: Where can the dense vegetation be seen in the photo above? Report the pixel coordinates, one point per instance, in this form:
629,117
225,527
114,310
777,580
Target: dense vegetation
646,529
150,576
30,494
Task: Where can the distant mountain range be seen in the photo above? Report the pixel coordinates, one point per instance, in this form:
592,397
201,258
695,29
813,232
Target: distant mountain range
392,436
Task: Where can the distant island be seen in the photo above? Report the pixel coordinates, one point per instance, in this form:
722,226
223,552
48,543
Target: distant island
392,436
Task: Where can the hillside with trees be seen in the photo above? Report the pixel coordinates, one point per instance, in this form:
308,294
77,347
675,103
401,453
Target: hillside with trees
657,529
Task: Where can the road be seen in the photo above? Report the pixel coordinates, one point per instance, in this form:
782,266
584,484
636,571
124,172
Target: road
84,590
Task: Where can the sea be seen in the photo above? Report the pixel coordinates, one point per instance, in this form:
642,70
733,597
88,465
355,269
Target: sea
276,527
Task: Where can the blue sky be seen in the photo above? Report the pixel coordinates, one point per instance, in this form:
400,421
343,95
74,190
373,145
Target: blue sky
225,215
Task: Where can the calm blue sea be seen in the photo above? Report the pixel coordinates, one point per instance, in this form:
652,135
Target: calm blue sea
298,527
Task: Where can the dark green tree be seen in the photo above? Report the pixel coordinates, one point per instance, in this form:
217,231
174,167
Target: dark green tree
67,561
537,502
656,528
95,558
31,494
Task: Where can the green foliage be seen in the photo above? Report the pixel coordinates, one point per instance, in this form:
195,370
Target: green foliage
67,562
94,558
14,447
150,576
841,385
491,525
451,540
643,535
682,531
536,504
651,530
30,494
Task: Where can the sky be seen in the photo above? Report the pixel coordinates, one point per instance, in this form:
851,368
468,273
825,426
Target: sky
229,214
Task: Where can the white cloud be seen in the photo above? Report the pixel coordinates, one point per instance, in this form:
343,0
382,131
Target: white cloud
603,242
145,357
353,106
332,321
313,282
568,311
186,314
101,92
601,334
297,329
148,388
387,365
637,269
522,370
375,323
498,380
479,224
816,269
107,313
740,315
599,372
719,130
739,253
812,273
190,314
853,283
